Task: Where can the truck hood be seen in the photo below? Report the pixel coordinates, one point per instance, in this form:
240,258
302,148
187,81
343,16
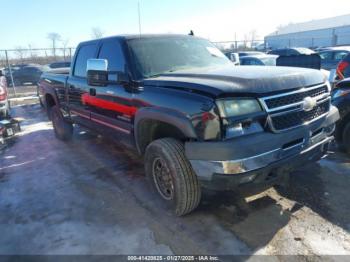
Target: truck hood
239,80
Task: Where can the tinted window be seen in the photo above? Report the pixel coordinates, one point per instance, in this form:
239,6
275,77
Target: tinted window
60,65
251,61
281,52
326,55
347,58
85,52
340,55
292,52
112,51
30,70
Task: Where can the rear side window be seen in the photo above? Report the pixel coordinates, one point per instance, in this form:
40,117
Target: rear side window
340,55
347,58
112,51
85,52
326,55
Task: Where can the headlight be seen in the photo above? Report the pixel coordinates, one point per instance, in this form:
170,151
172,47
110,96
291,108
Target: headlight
340,92
238,107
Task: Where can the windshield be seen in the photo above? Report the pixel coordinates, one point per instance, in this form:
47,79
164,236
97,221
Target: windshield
155,56
305,51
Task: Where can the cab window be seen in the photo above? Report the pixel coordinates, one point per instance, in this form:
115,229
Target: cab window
113,53
85,52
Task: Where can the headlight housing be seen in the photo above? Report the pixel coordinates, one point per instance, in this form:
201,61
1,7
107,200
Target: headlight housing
238,107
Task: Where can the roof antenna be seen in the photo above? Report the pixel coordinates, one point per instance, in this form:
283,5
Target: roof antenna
139,12
191,33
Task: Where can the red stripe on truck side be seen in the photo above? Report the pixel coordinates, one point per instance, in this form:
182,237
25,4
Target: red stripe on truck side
108,105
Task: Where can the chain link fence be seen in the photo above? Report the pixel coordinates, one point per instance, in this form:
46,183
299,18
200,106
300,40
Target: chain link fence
240,45
14,60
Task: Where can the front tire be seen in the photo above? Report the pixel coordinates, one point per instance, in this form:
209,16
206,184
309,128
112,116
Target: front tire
171,175
346,138
63,129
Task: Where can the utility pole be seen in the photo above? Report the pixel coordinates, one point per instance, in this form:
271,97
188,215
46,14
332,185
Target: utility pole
236,47
10,70
139,12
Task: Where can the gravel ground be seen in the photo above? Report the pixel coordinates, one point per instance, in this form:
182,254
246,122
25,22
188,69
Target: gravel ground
89,196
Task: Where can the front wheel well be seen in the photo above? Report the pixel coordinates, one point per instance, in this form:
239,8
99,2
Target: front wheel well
49,104
49,100
151,130
341,126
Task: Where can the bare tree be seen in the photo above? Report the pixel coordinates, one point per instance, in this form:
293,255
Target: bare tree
33,55
20,52
253,36
96,33
54,38
65,43
245,41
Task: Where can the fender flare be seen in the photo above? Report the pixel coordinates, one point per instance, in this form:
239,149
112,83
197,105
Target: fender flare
165,115
52,93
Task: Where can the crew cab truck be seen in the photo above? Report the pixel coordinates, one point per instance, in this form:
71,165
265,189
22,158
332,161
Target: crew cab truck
197,120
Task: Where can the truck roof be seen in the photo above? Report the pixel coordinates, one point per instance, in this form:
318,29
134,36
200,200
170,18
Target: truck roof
137,36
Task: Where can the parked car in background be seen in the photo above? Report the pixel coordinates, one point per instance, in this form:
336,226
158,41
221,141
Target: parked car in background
4,103
261,47
341,99
235,57
343,68
331,57
55,65
291,51
26,74
261,60
249,53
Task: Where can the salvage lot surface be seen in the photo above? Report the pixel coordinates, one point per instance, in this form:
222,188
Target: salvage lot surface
90,196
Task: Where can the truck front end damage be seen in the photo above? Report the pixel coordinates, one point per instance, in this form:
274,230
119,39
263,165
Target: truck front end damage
298,128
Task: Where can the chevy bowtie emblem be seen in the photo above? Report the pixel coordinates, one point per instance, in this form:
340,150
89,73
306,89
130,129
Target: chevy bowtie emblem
309,103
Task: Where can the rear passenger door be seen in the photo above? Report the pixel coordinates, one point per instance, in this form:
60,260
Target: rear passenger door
77,87
112,106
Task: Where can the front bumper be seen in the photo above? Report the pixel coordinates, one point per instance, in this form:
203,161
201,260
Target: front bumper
243,159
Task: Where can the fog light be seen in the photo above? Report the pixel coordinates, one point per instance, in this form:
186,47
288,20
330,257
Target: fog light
330,129
247,179
236,130
243,128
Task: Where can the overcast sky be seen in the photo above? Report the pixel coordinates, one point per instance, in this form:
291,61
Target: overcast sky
27,22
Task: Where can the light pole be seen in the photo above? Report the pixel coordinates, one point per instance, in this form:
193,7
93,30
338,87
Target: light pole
139,13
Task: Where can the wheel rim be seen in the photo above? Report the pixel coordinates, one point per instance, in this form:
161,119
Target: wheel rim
162,179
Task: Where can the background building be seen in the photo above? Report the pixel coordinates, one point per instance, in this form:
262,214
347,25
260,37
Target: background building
317,33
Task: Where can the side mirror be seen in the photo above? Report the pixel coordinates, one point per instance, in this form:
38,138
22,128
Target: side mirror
234,57
97,72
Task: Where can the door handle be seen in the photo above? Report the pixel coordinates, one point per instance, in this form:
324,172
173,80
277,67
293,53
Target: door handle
92,92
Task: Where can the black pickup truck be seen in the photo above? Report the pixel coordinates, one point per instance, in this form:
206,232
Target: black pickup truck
341,99
197,120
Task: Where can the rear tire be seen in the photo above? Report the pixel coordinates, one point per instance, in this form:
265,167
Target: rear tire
346,138
171,175
63,129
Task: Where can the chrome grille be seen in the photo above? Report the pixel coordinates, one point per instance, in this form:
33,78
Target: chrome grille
296,97
286,110
292,119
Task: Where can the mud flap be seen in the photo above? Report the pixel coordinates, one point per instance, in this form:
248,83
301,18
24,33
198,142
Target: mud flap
8,129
